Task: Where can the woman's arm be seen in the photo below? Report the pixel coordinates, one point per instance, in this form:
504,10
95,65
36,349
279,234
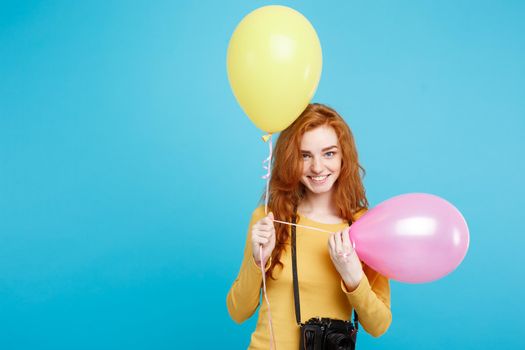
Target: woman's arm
367,291
371,300
244,295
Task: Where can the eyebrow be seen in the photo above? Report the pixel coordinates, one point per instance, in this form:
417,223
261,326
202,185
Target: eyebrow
323,150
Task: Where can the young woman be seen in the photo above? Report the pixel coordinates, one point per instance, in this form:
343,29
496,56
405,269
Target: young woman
316,177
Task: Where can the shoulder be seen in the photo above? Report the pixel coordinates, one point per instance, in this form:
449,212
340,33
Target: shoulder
359,213
259,211
257,214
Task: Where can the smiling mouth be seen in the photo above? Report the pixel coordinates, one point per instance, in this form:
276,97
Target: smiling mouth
318,179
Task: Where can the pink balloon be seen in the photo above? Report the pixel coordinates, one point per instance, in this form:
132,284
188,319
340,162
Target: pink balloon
413,238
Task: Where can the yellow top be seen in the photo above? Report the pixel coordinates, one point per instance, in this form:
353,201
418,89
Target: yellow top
321,290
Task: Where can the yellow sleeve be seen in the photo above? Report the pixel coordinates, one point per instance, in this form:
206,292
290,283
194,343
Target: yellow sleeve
371,301
371,298
360,213
244,295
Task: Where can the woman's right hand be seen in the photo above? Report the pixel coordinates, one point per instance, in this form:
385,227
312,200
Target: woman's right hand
263,233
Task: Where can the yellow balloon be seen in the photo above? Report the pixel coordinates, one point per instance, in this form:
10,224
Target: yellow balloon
274,64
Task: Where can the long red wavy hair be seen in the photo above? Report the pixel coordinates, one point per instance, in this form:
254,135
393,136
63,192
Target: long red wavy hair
287,191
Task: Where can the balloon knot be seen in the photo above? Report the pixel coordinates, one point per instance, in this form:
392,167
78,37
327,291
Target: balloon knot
266,137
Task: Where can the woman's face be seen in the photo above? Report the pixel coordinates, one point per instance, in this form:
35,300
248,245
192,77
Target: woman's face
321,159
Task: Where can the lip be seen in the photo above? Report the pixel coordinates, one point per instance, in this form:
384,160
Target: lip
316,182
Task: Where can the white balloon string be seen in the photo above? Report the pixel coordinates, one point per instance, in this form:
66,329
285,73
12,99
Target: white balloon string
268,166
309,227
345,255
272,339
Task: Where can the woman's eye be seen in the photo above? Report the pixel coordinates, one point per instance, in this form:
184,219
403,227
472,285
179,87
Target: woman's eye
306,156
329,154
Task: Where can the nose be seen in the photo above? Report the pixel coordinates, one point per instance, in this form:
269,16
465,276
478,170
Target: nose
317,165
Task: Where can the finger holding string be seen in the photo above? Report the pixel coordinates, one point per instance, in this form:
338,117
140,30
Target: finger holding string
348,244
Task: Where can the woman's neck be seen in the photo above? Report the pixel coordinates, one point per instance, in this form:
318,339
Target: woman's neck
319,207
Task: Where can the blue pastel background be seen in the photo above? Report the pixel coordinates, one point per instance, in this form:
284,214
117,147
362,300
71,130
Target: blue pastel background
128,172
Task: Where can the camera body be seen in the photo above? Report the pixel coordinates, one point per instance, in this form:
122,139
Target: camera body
327,334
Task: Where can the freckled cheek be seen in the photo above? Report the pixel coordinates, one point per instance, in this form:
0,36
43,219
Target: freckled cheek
335,166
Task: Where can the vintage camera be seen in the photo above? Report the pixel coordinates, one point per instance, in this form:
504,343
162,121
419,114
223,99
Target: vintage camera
327,334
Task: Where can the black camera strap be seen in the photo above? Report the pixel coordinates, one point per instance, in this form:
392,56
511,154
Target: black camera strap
294,273
296,280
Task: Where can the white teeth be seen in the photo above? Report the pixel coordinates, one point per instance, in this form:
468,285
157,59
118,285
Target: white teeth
319,178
